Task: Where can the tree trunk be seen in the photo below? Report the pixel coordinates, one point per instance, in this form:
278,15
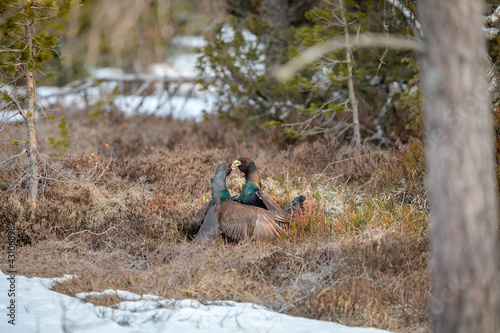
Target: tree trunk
461,169
31,122
352,96
32,143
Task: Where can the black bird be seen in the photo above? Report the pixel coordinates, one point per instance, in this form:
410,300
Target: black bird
251,194
234,220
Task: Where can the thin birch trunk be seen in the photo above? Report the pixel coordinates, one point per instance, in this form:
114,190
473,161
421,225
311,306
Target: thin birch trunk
352,95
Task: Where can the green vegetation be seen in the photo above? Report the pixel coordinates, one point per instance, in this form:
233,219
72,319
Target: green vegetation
17,56
316,100
24,50
60,145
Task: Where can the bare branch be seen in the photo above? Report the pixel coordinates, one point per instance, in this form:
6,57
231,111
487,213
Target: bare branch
364,40
7,120
13,157
19,107
493,18
491,33
379,134
10,50
93,233
410,16
11,43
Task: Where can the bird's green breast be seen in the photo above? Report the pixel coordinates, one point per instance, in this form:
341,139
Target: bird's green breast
249,190
224,194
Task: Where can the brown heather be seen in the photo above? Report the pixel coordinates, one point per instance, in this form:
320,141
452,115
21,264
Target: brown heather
359,258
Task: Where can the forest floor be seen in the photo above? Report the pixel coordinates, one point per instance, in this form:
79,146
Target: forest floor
118,217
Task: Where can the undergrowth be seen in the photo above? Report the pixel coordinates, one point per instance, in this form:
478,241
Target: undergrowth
358,257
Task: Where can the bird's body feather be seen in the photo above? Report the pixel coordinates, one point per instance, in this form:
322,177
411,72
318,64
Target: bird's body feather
238,221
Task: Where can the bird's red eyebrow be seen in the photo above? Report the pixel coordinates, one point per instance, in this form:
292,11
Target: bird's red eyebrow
228,164
245,159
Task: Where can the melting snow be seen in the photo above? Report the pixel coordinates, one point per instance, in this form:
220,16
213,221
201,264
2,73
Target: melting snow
187,101
39,309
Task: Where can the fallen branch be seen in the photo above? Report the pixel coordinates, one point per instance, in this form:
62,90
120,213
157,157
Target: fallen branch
93,233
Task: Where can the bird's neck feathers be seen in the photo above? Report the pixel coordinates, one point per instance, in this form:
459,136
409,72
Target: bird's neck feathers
250,188
253,175
219,189
224,194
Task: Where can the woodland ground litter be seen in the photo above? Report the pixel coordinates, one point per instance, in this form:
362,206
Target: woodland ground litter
359,258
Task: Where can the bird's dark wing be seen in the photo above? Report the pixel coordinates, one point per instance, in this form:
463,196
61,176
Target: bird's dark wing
269,202
271,205
296,206
238,221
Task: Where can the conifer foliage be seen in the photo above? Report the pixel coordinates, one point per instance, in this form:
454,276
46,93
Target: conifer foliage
24,49
325,96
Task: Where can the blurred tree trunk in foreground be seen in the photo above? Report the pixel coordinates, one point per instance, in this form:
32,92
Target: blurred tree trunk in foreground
461,176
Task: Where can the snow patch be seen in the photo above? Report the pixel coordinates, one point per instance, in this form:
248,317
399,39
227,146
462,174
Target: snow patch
39,309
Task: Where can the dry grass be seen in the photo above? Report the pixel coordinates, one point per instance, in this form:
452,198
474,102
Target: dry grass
359,257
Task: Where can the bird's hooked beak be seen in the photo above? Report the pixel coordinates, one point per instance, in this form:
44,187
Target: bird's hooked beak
235,164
